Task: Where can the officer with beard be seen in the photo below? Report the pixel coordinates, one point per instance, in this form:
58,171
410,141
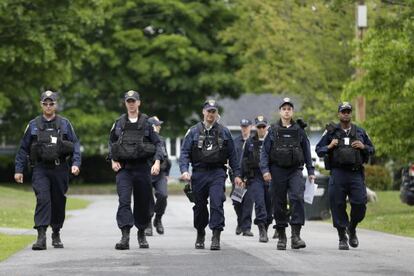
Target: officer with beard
346,147
255,184
285,149
208,146
133,145
54,150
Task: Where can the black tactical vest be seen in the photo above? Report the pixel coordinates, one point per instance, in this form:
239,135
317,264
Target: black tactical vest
210,148
165,164
133,142
50,144
252,162
286,151
345,156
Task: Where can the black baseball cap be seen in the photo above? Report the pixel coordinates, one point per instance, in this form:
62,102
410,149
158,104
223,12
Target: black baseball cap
48,95
286,101
155,121
344,106
131,94
210,105
260,121
245,122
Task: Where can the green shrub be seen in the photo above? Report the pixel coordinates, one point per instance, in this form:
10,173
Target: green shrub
378,178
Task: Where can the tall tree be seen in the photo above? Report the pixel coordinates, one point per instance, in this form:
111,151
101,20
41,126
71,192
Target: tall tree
41,42
387,60
295,48
168,50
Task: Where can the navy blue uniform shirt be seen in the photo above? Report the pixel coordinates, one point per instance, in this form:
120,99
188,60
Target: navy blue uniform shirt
192,137
238,144
31,133
267,147
361,135
149,133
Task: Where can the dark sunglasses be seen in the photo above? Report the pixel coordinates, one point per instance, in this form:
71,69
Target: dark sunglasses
131,101
48,104
346,111
261,127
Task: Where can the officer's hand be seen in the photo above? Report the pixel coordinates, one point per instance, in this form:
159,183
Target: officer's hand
18,177
185,176
267,177
238,182
116,166
155,169
333,143
358,145
312,178
75,170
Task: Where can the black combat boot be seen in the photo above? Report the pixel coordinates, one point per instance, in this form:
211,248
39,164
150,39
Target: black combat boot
262,233
40,244
343,239
297,242
201,234
123,244
215,240
275,235
247,233
56,241
142,240
238,230
353,239
148,230
281,243
158,225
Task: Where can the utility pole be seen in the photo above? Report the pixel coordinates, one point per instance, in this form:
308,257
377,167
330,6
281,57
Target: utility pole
361,25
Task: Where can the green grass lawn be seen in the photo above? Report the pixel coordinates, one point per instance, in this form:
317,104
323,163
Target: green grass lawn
390,215
11,244
17,206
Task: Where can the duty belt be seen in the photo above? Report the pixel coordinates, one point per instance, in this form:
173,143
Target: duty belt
208,168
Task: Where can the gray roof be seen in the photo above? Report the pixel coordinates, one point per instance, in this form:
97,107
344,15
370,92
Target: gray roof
249,106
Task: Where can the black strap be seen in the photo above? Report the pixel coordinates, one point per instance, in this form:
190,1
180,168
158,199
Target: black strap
141,121
276,127
202,136
41,125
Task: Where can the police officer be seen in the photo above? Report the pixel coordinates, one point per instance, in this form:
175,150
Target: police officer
256,186
346,147
159,183
133,145
208,146
54,151
285,149
247,203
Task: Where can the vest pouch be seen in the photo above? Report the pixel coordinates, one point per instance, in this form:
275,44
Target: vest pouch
147,150
283,157
49,152
165,165
345,156
34,153
297,157
124,151
66,148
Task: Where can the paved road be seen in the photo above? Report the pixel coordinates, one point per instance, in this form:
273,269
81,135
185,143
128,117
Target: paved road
90,235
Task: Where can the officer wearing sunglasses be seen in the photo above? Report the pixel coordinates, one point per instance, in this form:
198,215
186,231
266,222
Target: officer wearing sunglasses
51,145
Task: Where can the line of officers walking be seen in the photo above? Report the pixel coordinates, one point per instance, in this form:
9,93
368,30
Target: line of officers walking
268,164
